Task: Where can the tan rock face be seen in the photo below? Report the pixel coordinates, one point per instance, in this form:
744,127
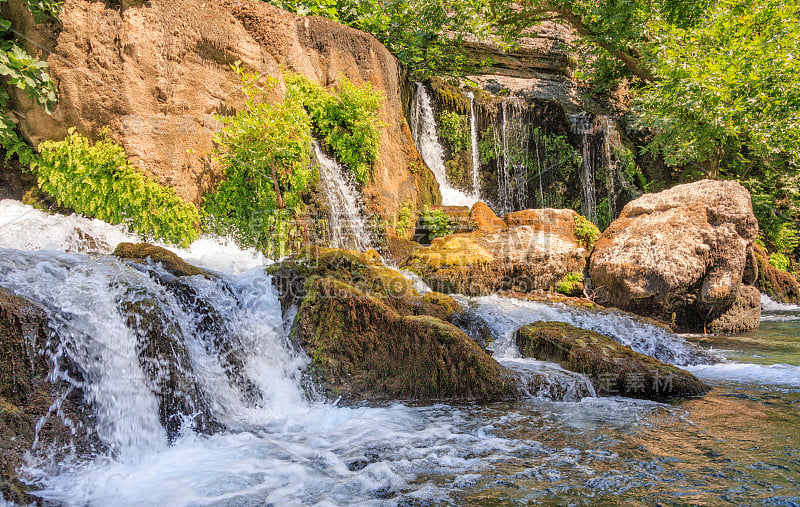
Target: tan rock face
679,255
534,251
157,73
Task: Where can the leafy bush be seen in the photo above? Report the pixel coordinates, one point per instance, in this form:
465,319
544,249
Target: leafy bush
346,120
586,231
569,284
454,129
25,73
404,218
98,181
265,154
436,222
780,261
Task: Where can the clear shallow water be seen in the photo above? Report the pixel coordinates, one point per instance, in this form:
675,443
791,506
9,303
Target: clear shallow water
738,444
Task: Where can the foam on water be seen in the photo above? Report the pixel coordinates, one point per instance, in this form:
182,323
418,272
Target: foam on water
763,374
26,228
774,311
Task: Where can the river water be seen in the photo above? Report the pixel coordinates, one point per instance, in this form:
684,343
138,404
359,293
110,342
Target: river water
738,444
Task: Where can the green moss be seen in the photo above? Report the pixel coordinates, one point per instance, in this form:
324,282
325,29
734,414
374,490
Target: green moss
571,285
169,260
364,350
586,231
611,366
448,95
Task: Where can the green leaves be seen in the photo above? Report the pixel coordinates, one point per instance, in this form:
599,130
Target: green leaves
98,181
346,120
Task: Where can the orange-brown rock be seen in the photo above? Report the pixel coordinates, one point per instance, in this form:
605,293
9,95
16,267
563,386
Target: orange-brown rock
535,253
484,219
157,72
680,256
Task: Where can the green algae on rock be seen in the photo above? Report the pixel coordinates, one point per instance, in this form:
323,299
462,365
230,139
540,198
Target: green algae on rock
362,349
169,260
613,368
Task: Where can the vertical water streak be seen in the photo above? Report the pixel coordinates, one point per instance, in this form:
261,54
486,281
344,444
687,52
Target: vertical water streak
347,223
476,159
426,139
582,126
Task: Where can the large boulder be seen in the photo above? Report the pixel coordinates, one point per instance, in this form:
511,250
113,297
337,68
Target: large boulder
29,390
615,369
362,349
372,336
157,72
534,250
683,256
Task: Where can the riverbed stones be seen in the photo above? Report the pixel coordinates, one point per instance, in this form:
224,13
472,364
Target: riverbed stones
682,256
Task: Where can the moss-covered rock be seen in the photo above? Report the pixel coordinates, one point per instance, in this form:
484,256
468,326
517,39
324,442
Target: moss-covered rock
613,368
169,260
294,276
362,349
27,352
777,284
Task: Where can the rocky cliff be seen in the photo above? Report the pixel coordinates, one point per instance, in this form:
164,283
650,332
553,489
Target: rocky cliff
157,72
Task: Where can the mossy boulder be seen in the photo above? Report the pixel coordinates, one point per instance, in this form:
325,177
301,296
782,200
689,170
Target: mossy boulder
777,284
171,261
363,349
28,353
615,369
366,272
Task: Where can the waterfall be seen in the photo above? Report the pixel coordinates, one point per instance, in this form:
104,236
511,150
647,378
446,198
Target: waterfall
476,158
583,127
513,146
348,227
426,139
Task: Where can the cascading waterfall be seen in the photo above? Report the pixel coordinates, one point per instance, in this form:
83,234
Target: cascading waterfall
348,226
476,158
582,126
426,139
512,146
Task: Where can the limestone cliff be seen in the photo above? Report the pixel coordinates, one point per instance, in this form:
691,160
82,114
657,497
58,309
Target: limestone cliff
157,72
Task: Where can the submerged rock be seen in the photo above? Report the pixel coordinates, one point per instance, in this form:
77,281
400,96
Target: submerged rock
682,256
28,396
533,251
614,368
362,349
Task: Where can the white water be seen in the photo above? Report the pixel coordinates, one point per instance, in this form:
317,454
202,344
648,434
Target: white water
26,228
423,130
506,315
282,447
348,225
476,158
772,374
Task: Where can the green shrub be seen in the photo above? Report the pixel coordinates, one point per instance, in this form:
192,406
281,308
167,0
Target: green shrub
780,261
569,284
586,231
264,151
454,129
404,218
436,222
98,181
346,120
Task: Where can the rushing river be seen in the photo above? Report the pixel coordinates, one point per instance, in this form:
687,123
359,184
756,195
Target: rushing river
738,444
